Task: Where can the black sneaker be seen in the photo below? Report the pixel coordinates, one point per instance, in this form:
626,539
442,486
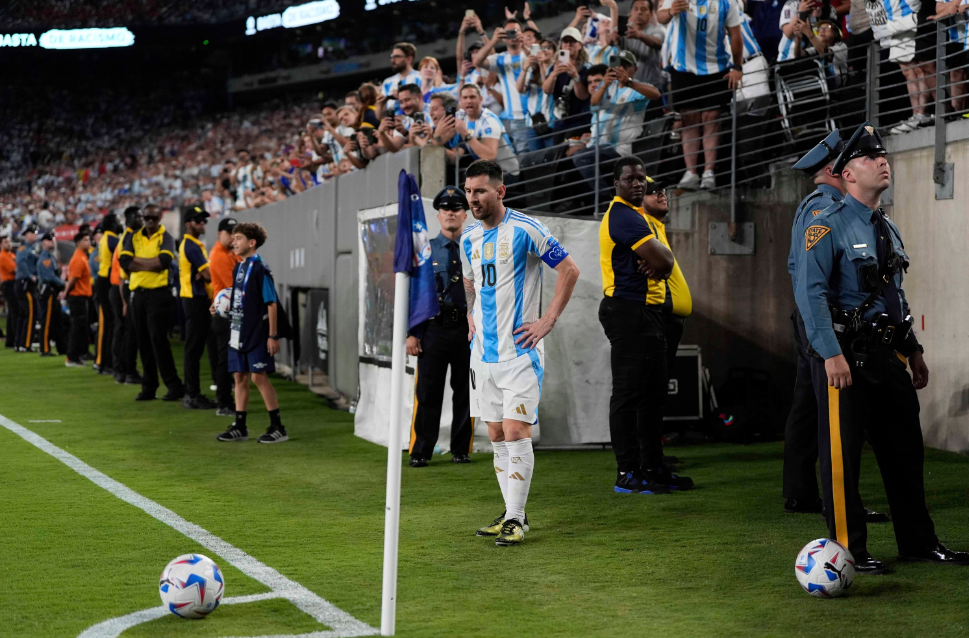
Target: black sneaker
145,396
133,379
234,434
75,363
275,434
460,458
119,378
225,412
416,461
630,483
200,402
47,354
665,477
174,395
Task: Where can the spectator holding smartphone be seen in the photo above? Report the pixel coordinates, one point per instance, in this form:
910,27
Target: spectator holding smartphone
568,85
443,126
507,66
393,132
607,35
701,63
796,17
619,104
538,103
482,134
644,37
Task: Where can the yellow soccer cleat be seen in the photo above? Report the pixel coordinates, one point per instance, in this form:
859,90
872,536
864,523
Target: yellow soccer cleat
511,534
495,528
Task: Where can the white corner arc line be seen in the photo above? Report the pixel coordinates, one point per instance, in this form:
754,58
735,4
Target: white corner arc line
343,624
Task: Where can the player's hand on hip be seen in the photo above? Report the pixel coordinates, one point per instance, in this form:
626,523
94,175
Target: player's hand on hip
839,374
272,345
529,334
920,371
413,346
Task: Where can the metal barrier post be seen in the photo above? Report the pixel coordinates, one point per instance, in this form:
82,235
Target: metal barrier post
733,167
595,205
871,93
942,173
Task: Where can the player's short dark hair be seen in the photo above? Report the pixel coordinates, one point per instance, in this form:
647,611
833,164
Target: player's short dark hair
409,49
413,89
129,214
596,69
630,160
486,167
79,236
513,21
649,3
251,230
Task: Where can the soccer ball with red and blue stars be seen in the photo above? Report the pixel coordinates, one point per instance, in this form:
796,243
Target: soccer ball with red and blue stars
191,586
825,568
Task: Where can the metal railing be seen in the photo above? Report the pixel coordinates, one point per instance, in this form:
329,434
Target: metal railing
806,98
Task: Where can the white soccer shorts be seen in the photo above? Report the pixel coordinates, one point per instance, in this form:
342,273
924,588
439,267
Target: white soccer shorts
509,389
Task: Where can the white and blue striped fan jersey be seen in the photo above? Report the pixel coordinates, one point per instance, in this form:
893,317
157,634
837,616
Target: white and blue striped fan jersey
958,32
599,54
394,82
888,17
751,46
697,37
537,100
505,264
618,118
509,67
785,48
488,126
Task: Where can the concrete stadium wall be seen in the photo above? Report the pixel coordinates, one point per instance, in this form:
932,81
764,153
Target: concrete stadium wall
936,234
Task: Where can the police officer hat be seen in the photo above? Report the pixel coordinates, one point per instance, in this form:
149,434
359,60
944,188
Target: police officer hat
865,141
451,198
49,236
29,229
827,149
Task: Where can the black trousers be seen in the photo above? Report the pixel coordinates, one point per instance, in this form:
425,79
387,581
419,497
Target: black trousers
639,382
78,339
9,290
801,429
443,345
124,341
102,293
52,322
219,361
153,321
880,403
673,331
27,304
197,323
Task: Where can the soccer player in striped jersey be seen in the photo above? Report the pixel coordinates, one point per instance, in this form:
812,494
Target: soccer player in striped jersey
508,66
700,59
502,257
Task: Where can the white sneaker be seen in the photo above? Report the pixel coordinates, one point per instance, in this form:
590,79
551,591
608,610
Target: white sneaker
689,182
926,120
709,180
907,126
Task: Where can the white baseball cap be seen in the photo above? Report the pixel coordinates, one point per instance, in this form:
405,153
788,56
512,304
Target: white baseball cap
571,32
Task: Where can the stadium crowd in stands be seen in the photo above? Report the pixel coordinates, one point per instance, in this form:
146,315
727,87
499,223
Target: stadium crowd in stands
538,101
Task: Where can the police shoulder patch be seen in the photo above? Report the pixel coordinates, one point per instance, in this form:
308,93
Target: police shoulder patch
813,235
47,263
814,213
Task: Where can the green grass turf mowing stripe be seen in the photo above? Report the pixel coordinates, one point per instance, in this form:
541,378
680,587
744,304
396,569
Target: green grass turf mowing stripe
717,561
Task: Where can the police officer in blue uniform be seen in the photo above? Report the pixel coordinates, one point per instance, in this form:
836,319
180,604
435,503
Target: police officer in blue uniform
49,286
442,342
857,321
26,288
801,430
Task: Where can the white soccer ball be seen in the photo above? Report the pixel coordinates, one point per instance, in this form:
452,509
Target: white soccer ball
825,568
222,300
191,586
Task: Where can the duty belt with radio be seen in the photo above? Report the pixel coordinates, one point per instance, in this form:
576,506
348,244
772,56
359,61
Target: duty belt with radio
451,314
854,333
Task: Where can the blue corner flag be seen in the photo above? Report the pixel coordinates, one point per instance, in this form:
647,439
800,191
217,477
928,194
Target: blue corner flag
412,251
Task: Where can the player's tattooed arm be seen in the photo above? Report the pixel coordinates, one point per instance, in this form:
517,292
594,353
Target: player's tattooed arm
470,296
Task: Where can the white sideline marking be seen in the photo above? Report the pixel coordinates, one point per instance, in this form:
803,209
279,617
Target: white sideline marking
343,624
44,421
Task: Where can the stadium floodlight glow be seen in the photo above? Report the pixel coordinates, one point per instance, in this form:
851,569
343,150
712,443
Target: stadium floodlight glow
293,17
87,38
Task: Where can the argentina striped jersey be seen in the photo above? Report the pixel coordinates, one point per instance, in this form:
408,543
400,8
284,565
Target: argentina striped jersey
888,17
394,82
505,264
958,31
509,67
538,101
488,126
697,36
751,46
618,118
599,54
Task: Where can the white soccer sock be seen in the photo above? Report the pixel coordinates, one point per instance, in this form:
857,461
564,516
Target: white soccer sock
521,463
501,468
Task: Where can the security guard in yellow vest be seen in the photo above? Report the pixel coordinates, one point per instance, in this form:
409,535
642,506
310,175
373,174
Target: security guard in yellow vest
103,360
147,255
196,297
636,265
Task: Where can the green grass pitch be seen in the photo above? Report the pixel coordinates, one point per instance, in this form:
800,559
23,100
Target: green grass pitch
717,561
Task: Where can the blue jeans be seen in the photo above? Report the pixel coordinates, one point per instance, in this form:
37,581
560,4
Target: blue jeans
536,143
517,132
